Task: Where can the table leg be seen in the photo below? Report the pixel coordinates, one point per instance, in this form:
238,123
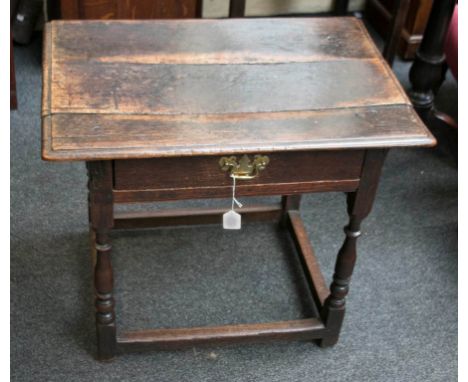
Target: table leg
103,281
289,203
341,7
428,70
359,205
334,309
101,221
236,8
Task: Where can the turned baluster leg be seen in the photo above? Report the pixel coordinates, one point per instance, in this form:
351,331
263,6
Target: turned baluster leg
359,205
101,221
105,316
334,309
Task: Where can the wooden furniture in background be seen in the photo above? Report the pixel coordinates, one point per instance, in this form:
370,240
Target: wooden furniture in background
147,9
428,73
153,118
400,10
429,68
129,9
381,12
451,44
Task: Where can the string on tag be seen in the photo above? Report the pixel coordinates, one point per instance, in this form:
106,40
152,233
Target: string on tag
232,219
234,200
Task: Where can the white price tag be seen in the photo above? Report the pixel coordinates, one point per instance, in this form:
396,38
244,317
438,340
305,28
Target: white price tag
231,220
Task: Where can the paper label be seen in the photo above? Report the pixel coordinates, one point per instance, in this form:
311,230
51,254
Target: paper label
231,220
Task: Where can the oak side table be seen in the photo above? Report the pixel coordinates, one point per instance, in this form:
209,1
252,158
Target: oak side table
172,110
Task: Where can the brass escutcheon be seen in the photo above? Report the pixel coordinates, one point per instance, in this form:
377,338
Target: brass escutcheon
244,168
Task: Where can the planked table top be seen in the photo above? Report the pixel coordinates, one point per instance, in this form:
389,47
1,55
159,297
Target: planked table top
142,89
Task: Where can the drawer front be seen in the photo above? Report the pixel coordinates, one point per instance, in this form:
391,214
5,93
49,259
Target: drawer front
202,177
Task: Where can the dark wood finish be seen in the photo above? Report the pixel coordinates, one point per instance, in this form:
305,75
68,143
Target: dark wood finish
177,9
316,282
398,17
327,95
310,328
400,11
289,203
129,9
69,9
152,117
199,9
13,99
143,196
381,14
177,217
445,119
428,70
237,8
101,220
359,205
285,174
341,7
77,137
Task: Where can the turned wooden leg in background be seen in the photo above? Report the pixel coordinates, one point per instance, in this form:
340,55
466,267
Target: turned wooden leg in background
359,205
101,222
428,69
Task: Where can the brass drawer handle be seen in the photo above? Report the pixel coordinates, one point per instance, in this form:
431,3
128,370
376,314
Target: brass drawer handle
245,168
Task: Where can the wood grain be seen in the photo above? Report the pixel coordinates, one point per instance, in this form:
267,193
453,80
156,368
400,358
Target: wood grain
207,87
152,106
106,136
204,171
199,177
193,216
143,196
182,337
240,41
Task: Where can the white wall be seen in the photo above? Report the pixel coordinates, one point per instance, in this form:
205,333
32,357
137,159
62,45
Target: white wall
219,8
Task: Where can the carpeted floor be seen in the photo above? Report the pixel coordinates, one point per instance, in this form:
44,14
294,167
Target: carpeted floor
401,322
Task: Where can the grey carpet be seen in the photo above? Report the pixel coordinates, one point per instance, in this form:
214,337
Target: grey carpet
401,323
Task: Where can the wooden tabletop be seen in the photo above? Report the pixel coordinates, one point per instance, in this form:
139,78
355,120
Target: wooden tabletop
139,89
